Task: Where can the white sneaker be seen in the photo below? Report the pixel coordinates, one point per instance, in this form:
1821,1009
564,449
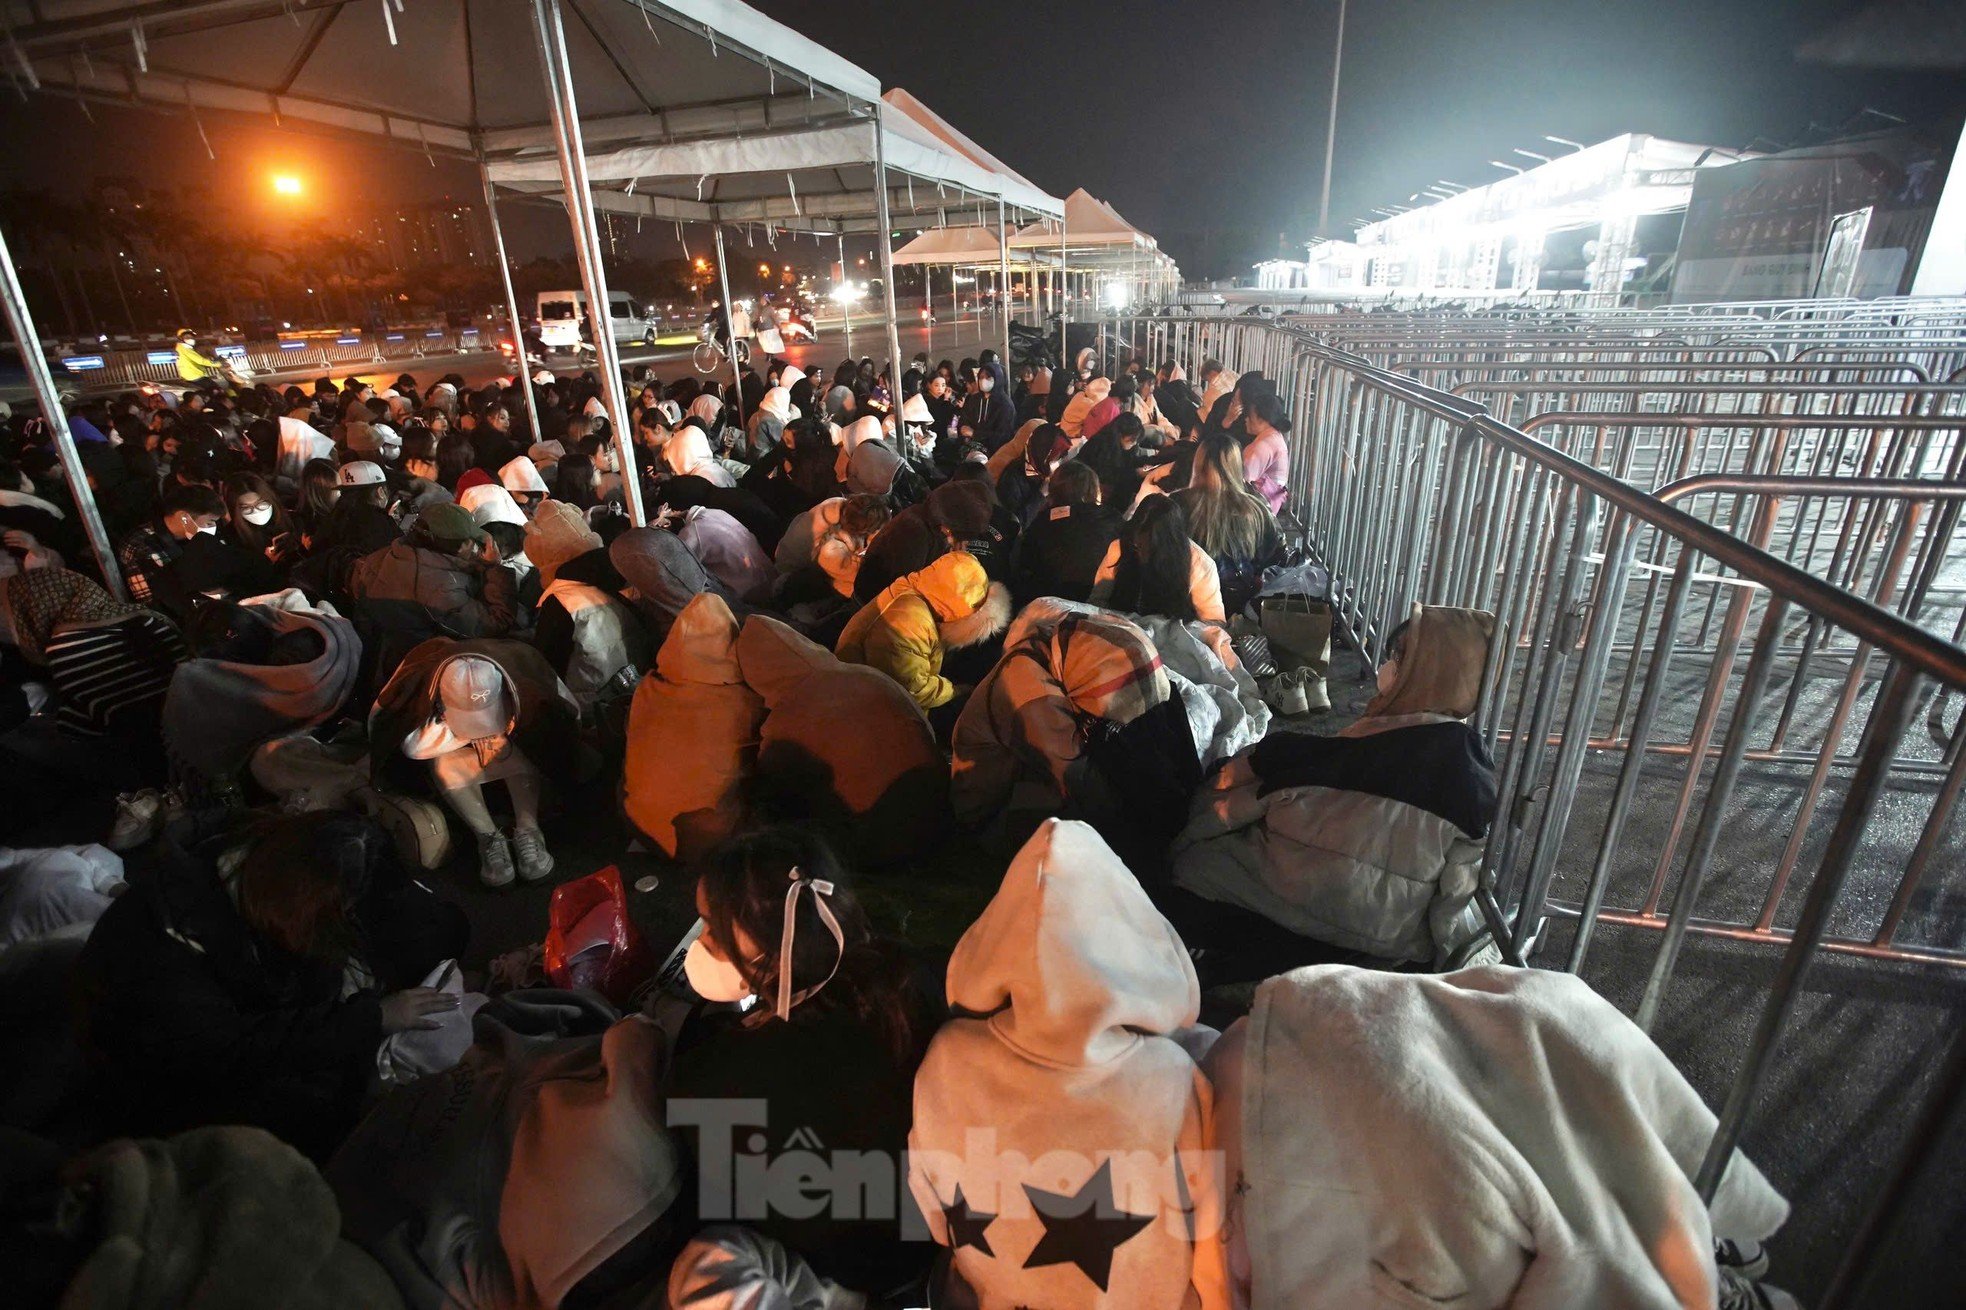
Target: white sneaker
1316,698
139,814
495,860
1739,1292
1287,696
535,861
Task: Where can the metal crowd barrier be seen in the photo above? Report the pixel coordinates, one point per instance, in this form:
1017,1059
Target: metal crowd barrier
1744,680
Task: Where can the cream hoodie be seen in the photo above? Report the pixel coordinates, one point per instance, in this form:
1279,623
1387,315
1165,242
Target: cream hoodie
1062,1137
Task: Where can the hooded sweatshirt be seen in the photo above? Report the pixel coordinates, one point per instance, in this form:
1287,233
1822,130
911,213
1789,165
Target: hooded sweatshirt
1062,1137
845,745
687,453
867,428
1081,404
1542,1150
728,550
907,629
520,476
693,706
1371,840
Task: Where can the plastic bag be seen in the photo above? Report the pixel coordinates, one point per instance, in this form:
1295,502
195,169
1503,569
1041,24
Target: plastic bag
771,341
592,943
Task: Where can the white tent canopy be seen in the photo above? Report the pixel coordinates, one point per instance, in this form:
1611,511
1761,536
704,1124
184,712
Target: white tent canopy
457,77
786,176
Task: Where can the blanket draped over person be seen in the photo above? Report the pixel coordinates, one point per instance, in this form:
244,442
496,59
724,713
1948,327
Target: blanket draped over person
1226,711
218,710
1494,1137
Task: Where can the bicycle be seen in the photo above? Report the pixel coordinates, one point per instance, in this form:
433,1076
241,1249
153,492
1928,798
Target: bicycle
709,356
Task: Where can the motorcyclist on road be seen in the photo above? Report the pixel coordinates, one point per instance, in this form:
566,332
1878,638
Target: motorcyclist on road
192,364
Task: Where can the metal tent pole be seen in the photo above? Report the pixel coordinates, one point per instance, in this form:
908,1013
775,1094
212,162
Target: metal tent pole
1064,300
1003,271
887,260
723,281
512,307
586,239
846,302
20,321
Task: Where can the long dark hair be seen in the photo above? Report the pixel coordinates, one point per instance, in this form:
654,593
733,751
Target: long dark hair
743,886
317,494
1152,577
573,481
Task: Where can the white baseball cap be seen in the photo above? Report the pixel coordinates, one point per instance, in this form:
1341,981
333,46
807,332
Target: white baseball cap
475,700
360,473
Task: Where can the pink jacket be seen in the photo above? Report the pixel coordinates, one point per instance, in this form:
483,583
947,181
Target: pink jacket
1266,463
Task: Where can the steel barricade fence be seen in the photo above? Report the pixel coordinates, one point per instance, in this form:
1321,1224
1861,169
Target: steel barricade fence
1789,813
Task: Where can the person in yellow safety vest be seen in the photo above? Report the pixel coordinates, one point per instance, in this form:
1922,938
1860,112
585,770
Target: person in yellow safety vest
191,365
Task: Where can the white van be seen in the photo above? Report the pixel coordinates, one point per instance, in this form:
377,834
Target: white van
560,314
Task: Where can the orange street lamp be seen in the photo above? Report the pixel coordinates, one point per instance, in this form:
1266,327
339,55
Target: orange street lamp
286,184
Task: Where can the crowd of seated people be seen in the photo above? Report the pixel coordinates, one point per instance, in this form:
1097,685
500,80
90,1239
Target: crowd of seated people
371,639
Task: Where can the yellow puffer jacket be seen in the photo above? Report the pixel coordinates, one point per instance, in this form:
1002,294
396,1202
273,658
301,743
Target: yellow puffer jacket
905,630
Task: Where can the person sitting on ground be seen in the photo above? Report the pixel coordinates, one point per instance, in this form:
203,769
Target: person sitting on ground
1114,453
1076,721
443,579
473,713
1266,459
106,664
1370,841
908,630
250,982
775,411
1230,523
729,551
520,476
687,455
919,535
822,548
829,1048
1089,395
1075,1003
256,520
1546,1151
843,748
360,523
1060,553
693,704
591,636
148,552
989,416
1155,568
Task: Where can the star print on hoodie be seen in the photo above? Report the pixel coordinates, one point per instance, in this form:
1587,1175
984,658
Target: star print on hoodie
1062,1145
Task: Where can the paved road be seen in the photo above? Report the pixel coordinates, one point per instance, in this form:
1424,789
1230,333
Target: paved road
952,339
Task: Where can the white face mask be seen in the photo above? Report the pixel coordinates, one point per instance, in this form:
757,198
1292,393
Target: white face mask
389,453
259,515
711,978
987,383
1388,675
209,530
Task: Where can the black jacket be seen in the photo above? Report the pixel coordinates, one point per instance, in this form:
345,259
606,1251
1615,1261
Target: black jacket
191,1018
993,417
1061,551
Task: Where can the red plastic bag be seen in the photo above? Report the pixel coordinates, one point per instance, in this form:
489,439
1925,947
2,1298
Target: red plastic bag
592,943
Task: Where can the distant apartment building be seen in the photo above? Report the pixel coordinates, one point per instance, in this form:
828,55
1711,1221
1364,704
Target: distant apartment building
437,232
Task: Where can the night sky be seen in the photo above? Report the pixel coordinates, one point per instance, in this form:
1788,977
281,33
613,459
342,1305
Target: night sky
1201,122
